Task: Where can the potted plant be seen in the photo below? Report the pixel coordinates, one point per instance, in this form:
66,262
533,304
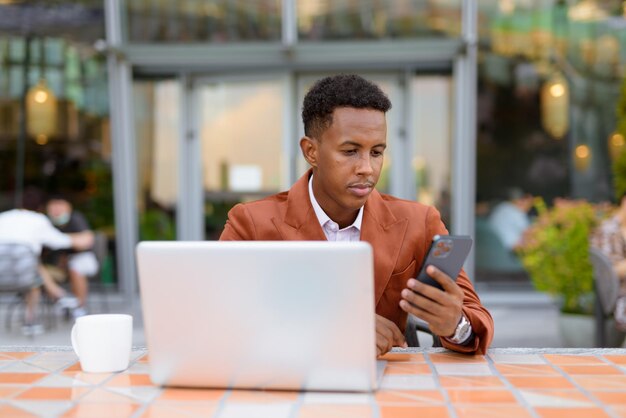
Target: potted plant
555,253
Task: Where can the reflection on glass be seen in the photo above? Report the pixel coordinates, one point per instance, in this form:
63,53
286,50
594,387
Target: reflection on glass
157,128
241,129
188,21
433,141
377,19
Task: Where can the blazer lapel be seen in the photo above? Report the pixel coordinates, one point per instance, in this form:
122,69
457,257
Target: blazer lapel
300,223
385,233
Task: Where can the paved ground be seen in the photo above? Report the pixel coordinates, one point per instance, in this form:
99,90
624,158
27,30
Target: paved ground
522,319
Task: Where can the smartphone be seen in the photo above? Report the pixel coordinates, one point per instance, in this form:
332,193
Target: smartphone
447,253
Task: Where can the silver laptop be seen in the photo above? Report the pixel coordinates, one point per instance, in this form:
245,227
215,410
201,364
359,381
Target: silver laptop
259,314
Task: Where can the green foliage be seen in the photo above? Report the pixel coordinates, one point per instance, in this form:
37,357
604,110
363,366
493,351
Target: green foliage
555,252
619,165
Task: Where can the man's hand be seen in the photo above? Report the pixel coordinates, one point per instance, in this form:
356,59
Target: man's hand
441,310
387,335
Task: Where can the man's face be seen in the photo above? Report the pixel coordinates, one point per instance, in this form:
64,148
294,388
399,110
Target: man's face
347,159
59,211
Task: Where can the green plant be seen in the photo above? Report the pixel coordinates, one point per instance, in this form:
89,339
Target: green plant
619,164
555,252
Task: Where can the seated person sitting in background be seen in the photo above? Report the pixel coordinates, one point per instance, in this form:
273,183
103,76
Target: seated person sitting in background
344,143
509,219
34,229
79,264
610,238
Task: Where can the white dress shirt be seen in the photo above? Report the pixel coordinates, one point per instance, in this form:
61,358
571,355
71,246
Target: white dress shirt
330,227
33,229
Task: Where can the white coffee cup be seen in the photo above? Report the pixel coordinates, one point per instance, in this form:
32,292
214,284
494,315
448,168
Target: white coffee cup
103,342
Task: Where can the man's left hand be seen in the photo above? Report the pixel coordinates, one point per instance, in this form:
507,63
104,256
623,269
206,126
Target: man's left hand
442,310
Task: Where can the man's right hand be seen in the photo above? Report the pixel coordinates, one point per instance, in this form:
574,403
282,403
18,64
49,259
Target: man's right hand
388,335
82,240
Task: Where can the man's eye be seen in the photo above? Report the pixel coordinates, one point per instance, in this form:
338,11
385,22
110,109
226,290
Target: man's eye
349,151
377,153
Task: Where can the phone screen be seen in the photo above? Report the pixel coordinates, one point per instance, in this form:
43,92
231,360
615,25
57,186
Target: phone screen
447,253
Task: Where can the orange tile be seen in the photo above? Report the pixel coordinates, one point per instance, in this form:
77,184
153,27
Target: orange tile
21,378
416,397
144,359
545,382
7,392
408,357
491,412
335,411
469,382
617,359
10,411
473,396
413,412
127,379
74,368
601,382
19,355
180,409
611,398
527,370
597,370
572,359
407,368
46,394
456,358
258,396
172,394
102,410
571,413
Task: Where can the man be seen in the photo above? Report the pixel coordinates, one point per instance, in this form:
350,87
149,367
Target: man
344,143
80,264
509,219
34,229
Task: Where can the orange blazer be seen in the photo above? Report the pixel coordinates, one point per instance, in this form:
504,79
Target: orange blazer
400,232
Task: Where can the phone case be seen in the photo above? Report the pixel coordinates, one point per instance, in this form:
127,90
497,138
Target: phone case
447,253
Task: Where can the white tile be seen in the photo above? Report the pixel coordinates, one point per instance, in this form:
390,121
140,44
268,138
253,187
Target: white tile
20,367
547,400
49,364
408,382
457,369
7,363
256,411
337,398
44,409
140,393
56,381
139,368
517,358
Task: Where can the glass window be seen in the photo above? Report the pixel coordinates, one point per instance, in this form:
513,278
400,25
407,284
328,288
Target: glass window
192,21
241,129
377,19
157,129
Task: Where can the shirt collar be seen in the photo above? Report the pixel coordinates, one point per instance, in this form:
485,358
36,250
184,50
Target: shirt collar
323,218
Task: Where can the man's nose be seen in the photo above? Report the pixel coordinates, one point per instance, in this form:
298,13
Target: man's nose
365,165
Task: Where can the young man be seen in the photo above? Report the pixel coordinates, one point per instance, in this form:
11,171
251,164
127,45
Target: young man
344,143
80,264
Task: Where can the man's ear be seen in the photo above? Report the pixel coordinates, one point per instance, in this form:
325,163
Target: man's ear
309,147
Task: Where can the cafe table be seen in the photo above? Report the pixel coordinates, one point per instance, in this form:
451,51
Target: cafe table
416,383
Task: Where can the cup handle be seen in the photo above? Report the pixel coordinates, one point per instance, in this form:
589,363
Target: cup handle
73,337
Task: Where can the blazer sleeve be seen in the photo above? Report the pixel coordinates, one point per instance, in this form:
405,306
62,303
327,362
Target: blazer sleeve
476,313
239,225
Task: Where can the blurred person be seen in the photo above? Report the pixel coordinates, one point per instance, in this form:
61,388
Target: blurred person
509,219
26,225
344,143
79,264
610,238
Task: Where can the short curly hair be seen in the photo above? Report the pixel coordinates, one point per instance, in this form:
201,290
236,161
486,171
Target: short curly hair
343,90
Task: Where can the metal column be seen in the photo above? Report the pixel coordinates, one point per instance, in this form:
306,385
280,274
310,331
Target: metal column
124,157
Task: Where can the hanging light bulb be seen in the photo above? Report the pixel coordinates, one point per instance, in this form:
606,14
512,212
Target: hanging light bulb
582,157
616,145
555,106
41,110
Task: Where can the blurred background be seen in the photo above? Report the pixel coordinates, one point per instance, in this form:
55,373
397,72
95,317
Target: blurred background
155,117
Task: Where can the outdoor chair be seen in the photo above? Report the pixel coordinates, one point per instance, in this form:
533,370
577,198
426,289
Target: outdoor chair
413,325
18,272
606,286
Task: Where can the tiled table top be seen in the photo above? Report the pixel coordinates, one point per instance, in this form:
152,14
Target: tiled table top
511,383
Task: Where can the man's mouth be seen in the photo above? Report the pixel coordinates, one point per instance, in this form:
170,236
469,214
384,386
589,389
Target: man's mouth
361,189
